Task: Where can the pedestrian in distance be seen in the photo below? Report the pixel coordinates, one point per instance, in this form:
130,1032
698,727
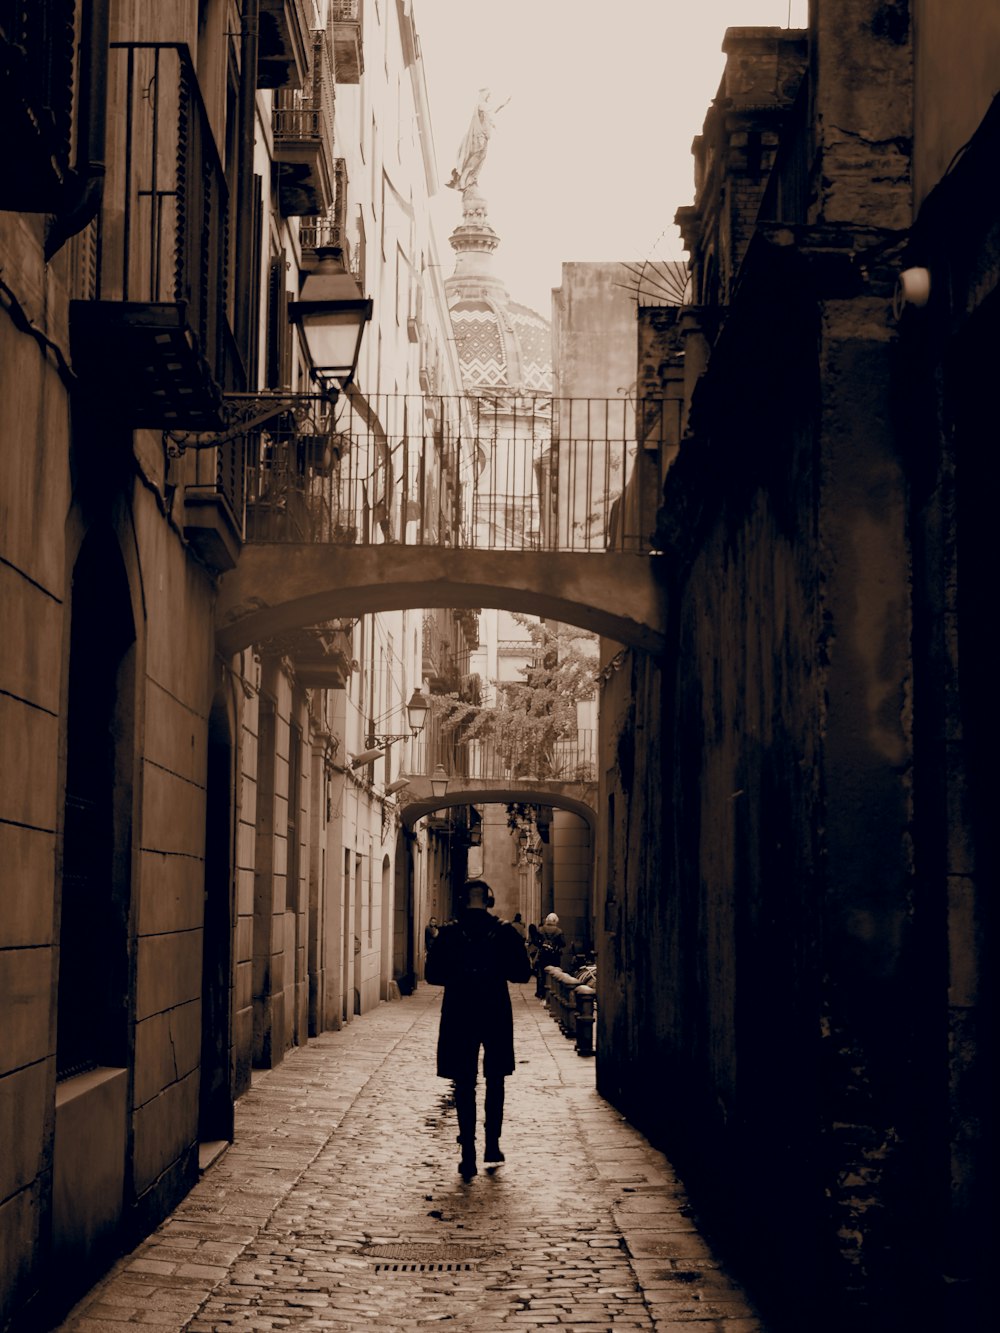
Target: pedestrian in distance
430,933
519,926
551,943
473,960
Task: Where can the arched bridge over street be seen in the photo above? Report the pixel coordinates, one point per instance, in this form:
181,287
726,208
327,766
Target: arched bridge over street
577,797
280,587
525,503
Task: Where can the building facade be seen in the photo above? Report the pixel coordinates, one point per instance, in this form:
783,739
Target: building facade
200,873
794,950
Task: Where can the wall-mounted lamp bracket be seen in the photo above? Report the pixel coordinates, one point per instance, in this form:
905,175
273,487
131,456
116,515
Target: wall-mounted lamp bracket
244,412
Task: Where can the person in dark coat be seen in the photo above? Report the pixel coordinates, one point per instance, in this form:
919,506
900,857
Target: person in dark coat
473,959
551,943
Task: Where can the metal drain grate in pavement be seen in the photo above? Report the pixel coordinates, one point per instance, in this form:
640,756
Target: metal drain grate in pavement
401,1257
460,1267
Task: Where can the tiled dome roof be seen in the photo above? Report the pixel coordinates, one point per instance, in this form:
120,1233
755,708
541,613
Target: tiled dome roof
481,349
535,337
501,345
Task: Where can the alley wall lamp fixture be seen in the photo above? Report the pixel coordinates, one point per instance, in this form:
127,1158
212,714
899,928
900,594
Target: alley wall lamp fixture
332,314
439,781
416,715
396,786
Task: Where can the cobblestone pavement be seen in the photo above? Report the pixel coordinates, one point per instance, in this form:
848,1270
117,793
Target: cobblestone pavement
339,1205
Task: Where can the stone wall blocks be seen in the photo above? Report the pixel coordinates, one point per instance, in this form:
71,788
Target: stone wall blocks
244,985
20,1231
163,1130
28,858
167,1048
171,893
168,971
26,1123
26,977
173,813
176,737
31,646
29,790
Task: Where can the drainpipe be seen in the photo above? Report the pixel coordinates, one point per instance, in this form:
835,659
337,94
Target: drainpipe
86,190
245,323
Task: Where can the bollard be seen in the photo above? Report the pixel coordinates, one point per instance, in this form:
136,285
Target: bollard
570,986
558,996
585,997
550,988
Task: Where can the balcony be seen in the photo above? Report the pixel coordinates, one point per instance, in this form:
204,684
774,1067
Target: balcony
468,619
289,458
36,97
303,139
328,231
214,504
154,347
348,40
321,655
283,43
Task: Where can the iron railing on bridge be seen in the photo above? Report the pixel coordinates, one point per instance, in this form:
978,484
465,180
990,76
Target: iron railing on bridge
511,759
507,472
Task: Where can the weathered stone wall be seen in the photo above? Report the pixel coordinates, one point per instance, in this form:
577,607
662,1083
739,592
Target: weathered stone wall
62,481
947,355
169,892
572,861
756,995
780,1013
593,315
34,497
634,1012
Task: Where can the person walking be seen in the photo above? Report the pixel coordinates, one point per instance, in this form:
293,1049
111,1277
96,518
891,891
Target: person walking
473,959
551,943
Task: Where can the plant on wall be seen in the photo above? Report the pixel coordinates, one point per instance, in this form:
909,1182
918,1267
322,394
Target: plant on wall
532,728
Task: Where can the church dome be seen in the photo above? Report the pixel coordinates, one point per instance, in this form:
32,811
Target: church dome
500,344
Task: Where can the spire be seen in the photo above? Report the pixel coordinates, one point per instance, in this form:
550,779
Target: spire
474,242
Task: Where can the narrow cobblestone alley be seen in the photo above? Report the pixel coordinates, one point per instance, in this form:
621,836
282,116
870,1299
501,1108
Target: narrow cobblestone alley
339,1205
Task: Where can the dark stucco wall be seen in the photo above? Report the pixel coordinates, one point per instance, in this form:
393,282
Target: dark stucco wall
766,957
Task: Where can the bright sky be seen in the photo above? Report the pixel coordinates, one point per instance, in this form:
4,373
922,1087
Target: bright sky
592,156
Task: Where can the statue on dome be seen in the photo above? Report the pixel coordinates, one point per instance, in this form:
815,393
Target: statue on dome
472,152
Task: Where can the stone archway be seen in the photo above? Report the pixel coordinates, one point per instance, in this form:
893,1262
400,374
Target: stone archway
275,588
576,797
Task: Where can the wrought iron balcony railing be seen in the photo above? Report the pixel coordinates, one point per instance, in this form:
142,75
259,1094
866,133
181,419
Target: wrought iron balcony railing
504,472
329,231
36,100
346,18
303,138
283,42
156,343
495,759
